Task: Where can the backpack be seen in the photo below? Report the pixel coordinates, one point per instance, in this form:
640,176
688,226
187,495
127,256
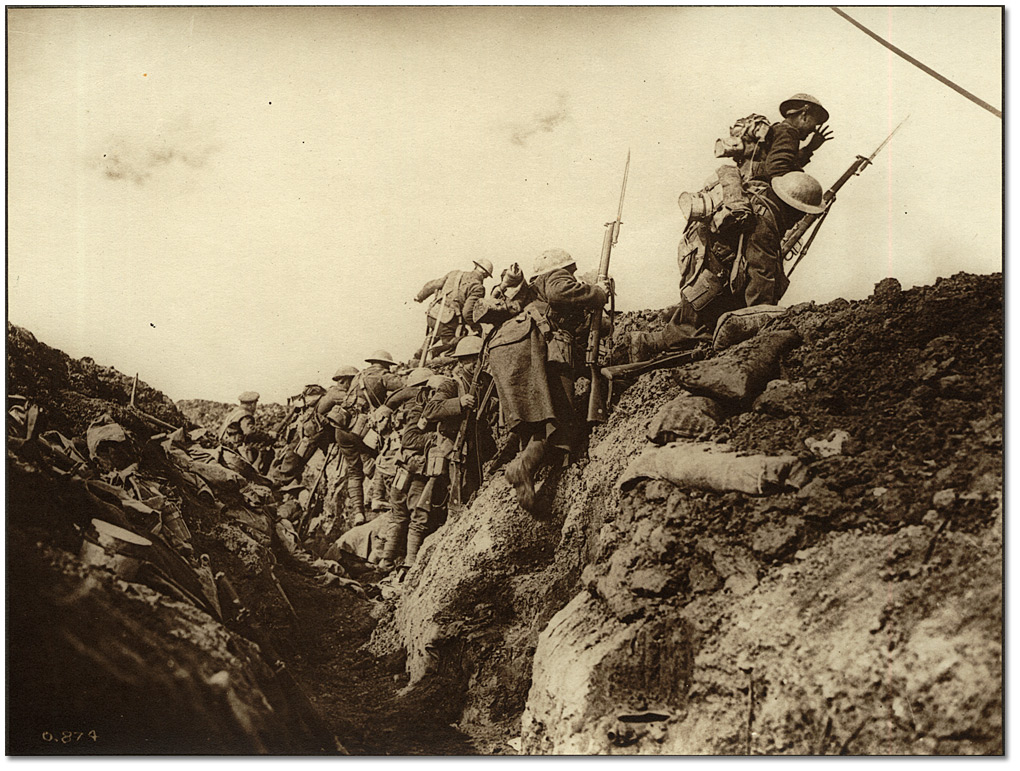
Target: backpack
746,136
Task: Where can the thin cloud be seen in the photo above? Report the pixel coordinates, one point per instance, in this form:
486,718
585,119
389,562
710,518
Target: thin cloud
543,122
137,159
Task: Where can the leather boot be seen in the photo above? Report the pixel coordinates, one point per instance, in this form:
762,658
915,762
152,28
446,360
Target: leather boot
521,472
643,346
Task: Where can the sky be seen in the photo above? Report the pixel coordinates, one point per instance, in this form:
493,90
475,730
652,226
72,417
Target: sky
224,199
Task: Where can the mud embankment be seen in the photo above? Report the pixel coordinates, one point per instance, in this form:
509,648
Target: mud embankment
858,611
850,605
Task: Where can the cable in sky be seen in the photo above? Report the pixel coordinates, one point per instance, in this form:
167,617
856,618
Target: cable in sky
919,65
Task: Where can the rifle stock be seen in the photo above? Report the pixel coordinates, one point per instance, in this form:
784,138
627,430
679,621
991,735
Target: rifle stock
597,395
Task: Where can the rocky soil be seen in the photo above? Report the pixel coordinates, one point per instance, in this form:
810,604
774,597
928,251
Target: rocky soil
858,614
851,606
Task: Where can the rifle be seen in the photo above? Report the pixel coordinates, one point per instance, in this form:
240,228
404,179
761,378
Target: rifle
457,458
597,394
792,238
435,328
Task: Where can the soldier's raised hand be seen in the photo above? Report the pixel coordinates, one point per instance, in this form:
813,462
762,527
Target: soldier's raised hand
468,400
822,135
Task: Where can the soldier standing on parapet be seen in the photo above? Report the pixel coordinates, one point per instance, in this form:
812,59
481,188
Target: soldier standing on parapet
368,392
454,296
239,431
721,277
532,360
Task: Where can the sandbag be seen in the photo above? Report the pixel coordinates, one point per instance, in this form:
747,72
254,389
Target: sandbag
703,466
742,324
687,416
742,372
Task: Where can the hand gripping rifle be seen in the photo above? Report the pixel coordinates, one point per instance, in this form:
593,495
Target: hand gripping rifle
791,241
597,394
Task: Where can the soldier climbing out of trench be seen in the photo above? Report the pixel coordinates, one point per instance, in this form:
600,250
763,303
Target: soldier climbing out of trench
313,433
730,255
451,312
532,359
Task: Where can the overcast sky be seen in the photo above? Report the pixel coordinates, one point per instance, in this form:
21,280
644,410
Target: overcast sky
224,199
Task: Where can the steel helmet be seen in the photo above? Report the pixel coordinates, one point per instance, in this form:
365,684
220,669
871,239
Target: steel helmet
799,190
436,380
550,260
419,376
346,371
313,389
248,397
468,346
797,101
484,264
381,356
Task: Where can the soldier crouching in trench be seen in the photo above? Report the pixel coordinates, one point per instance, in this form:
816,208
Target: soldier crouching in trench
531,357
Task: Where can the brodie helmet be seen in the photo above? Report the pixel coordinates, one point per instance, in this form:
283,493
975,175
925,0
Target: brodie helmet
800,190
797,101
550,260
485,265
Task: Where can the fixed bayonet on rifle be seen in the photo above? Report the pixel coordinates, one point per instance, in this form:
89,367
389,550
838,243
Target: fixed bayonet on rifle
597,394
792,239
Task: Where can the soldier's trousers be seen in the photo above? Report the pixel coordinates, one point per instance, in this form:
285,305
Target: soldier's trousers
407,527
350,447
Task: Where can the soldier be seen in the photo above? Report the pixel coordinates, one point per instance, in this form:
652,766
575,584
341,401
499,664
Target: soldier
240,432
337,392
451,404
406,530
313,433
714,285
368,392
455,295
531,357
780,152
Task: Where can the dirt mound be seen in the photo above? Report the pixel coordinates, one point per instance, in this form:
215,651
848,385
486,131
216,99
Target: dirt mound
849,604
210,415
74,392
224,642
830,618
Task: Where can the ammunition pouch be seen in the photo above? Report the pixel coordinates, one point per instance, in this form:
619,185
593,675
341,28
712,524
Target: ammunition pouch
560,349
360,426
402,479
705,288
372,440
305,448
437,462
